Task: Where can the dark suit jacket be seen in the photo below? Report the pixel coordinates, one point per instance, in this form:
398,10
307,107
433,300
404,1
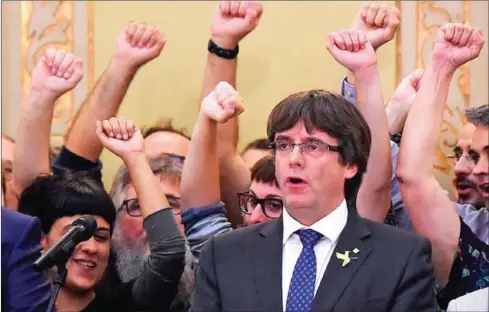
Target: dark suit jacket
242,271
23,288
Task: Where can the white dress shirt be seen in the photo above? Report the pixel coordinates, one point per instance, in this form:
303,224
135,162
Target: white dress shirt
330,227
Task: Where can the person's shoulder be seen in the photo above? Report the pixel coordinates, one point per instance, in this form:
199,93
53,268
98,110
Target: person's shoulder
240,235
13,221
399,239
474,301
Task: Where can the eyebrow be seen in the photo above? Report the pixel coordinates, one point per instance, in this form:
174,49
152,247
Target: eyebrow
272,196
96,230
287,138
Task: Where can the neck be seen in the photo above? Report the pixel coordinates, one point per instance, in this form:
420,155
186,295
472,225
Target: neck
307,216
73,301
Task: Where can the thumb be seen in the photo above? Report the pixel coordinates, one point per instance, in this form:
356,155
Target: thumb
101,134
415,77
251,17
330,45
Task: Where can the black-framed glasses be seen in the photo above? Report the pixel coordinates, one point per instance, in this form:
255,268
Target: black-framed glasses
310,148
271,207
134,209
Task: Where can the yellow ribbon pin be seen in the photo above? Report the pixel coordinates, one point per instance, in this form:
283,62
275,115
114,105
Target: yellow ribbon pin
346,256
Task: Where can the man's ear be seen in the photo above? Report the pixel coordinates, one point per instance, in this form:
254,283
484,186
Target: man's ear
350,171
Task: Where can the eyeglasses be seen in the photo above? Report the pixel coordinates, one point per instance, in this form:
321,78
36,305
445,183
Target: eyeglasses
472,157
310,148
271,207
134,209
176,159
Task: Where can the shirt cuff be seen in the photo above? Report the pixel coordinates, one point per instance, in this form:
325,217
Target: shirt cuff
348,91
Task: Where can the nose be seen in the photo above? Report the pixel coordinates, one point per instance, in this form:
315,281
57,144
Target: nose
296,157
257,216
463,166
482,167
90,246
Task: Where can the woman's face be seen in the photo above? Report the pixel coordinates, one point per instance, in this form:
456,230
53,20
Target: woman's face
89,260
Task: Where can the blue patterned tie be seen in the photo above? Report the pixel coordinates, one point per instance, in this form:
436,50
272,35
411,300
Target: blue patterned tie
301,289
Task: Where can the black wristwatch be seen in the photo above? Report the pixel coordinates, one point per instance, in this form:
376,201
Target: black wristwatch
227,54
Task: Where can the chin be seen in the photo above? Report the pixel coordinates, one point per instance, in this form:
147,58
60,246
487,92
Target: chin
81,284
297,202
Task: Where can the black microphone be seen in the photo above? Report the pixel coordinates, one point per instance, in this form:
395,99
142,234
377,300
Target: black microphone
82,229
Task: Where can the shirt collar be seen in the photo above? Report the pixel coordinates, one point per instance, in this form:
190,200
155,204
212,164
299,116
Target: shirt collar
330,226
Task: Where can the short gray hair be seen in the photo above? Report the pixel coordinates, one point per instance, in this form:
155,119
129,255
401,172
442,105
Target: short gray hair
478,116
162,164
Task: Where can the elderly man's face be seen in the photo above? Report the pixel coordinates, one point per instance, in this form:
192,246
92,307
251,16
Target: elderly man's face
129,239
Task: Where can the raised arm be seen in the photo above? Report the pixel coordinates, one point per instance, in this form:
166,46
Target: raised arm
136,45
56,73
231,22
430,208
157,284
379,22
352,50
200,178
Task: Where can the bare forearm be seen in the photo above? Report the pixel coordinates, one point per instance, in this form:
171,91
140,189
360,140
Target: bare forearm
220,69
32,146
102,103
374,194
396,117
200,178
234,175
148,189
423,124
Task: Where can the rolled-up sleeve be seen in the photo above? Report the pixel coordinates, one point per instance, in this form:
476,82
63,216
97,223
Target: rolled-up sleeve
202,223
158,283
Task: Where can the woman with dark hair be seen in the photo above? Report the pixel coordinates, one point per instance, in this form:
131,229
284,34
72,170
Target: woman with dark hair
58,200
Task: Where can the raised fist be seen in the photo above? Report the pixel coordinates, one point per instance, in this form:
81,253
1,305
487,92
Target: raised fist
233,20
378,21
456,44
139,44
351,49
223,103
403,98
120,136
57,72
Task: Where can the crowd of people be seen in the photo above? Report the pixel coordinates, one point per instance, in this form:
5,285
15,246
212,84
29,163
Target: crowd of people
336,208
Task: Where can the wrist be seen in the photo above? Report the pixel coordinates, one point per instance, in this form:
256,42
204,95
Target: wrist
41,95
225,42
441,68
134,159
365,72
122,66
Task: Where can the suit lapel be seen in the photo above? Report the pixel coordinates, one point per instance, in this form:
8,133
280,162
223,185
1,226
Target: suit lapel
336,278
266,261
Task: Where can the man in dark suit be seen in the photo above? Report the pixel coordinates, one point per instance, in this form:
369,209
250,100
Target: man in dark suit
320,255
23,288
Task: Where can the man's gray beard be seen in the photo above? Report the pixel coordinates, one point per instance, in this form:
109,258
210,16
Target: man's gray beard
130,259
130,256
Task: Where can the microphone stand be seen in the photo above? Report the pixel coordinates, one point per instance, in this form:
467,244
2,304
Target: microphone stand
61,274
59,281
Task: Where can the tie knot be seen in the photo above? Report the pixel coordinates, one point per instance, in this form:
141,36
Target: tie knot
309,238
